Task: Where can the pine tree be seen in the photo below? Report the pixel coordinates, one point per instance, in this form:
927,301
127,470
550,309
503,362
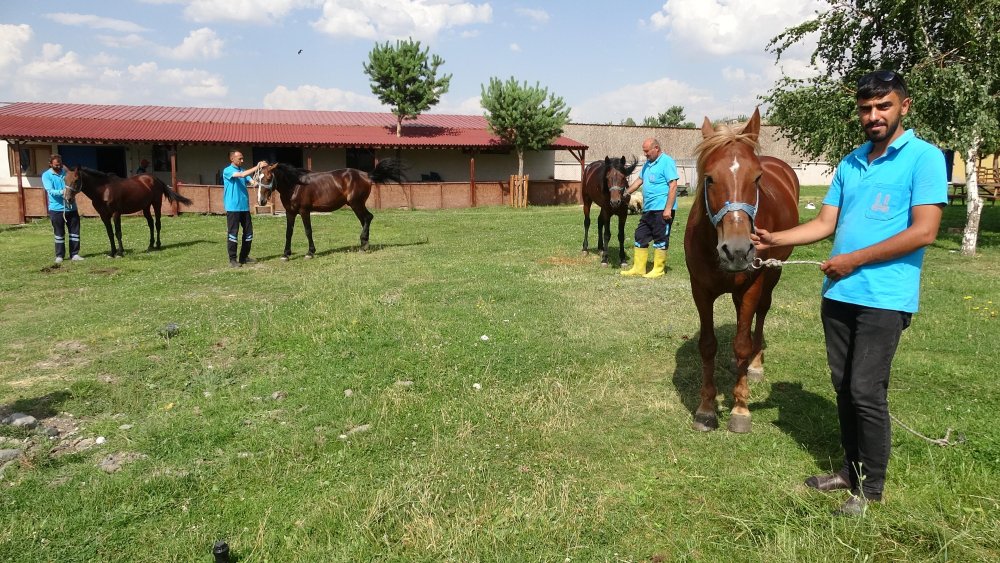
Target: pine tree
405,78
518,114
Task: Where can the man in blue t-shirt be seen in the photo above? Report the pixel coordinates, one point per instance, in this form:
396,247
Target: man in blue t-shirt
62,210
883,207
237,204
658,180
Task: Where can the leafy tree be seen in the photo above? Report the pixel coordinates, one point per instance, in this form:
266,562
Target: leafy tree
518,114
946,49
405,78
628,122
673,117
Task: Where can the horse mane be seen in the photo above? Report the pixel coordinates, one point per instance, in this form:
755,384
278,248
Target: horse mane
291,173
95,172
724,134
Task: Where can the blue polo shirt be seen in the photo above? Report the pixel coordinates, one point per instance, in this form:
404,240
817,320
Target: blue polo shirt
234,190
875,202
54,186
656,177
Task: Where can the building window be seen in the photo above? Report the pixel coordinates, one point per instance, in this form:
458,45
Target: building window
34,159
362,159
291,156
161,158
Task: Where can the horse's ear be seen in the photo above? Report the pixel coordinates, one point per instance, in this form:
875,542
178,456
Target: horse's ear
607,161
272,166
752,127
706,129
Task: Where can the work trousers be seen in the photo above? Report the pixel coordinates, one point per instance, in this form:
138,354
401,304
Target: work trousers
860,344
234,221
61,220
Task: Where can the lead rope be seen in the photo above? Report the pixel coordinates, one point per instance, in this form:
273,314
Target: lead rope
946,441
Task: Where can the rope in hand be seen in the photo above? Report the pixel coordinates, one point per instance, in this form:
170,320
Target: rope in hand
946,441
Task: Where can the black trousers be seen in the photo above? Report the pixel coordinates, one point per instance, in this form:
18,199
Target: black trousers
60,221
235,220
653,228
860,344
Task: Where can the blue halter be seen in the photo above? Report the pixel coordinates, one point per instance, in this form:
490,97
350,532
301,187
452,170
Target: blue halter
750,210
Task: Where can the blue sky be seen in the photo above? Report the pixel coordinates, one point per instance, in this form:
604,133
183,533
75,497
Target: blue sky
608,60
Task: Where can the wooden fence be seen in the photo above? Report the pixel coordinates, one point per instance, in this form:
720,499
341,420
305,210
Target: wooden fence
412,195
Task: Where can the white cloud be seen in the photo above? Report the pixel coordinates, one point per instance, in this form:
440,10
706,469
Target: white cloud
251,11
199,44
92,94
317,98
468,106
95,22
129,41
515,47
639,100
188,84
55,65
398,19
726,27
537,16
13,38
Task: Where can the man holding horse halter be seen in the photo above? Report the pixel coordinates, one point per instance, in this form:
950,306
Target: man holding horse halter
883,207
658,179
237,203
62,210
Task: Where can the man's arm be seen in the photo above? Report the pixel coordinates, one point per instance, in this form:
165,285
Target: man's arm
49,183
922,232
668,211
635,186
807,233
250,171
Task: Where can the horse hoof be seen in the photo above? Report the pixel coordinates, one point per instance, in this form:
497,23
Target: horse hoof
739,423
308,256
284,259
604,264
755,375
705,422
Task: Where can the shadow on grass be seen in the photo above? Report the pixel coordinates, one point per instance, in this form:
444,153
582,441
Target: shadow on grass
39,407
347,249
954,219
806,417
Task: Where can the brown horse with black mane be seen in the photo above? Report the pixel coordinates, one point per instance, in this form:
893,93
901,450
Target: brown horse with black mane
303,192
113,196
737,192
604,182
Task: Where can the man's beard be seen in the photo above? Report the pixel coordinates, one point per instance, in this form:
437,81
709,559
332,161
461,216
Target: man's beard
890,130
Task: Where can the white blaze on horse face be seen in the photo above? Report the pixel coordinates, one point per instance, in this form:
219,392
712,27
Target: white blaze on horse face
735,167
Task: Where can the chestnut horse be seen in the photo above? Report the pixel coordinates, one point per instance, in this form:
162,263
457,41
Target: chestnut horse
737,192
303,192
113,196
603,184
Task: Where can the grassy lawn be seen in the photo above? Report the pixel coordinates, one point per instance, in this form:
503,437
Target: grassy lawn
472,389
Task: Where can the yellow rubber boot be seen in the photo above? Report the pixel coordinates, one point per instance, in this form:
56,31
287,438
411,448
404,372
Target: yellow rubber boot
639,266
659,263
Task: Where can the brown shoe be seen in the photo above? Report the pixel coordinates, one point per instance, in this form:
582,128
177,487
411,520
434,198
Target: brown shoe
831,482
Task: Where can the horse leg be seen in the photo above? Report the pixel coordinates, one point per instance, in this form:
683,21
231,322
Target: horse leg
622,255
307,225
149,223
118,233
755,372
603,236
365,217
289,227
746,305
705,418
156,210
111,235
586,224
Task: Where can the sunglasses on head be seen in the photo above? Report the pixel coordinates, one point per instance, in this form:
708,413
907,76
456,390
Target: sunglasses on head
886,76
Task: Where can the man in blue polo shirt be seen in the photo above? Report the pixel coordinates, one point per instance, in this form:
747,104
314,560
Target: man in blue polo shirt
62,210
658,180
883,207
237,204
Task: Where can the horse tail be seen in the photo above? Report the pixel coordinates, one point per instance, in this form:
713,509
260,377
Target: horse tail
388,169
172,196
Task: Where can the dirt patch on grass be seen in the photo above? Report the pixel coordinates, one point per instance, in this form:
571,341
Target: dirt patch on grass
66,354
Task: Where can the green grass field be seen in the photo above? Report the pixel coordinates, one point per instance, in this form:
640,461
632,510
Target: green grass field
472,389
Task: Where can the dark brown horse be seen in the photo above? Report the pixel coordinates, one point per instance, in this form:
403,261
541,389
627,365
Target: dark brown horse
603,184
737,192
303,192
113,196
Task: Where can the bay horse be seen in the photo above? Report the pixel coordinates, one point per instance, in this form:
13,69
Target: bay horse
737,192
603,184
303,192
113,196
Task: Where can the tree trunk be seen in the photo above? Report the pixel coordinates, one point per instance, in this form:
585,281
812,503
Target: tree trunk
975,205
399,126
520,162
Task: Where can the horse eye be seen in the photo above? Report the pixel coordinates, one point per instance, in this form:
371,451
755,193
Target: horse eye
708,181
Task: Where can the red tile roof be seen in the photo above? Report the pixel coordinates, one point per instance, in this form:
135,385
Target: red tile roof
160,124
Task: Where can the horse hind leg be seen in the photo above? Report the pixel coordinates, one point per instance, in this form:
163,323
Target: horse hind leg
307,226
365,217
157,213
118,234
111,235
149,223
705,419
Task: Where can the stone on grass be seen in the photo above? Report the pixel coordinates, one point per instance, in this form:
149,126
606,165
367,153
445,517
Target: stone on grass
19,419
8,455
